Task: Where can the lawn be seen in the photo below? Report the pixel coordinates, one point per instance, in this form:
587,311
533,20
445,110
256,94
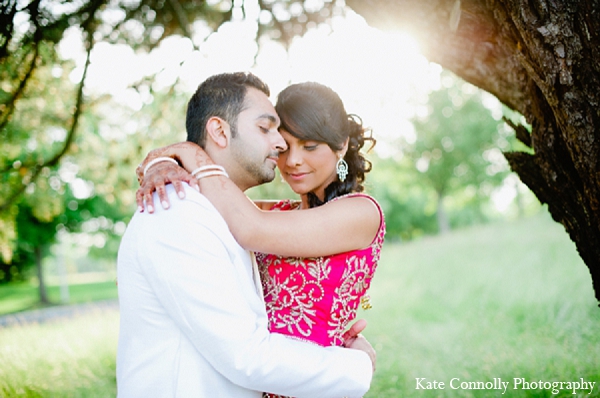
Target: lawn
485,304
504,301
25,296
72,358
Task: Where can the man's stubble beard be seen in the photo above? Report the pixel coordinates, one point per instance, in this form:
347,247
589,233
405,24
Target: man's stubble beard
255,166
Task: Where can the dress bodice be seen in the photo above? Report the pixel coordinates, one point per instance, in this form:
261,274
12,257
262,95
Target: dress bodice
315,298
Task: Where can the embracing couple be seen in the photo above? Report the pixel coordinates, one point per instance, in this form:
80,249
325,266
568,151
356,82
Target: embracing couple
224,297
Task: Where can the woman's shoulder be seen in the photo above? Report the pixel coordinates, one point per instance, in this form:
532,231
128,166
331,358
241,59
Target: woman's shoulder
360,195
373,201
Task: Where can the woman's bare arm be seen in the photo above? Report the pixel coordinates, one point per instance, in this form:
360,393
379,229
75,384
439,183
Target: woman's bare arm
340,226
166,173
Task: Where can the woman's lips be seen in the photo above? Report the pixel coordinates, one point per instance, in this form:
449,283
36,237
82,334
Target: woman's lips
296,176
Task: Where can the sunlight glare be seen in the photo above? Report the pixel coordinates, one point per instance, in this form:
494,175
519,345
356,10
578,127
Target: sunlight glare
381,77
503,196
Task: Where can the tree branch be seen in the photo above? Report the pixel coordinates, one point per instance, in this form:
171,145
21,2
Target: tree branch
10,107
7,15
68,141
181,18
520,132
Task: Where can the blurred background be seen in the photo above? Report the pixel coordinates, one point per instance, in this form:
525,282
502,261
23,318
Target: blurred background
476,281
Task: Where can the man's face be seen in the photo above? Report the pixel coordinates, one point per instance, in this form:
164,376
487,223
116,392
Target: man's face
257,143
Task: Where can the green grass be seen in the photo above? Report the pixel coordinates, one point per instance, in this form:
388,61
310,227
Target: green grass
506,300
64,359
25,296
510,300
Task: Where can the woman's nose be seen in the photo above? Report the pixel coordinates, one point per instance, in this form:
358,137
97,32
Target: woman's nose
293,157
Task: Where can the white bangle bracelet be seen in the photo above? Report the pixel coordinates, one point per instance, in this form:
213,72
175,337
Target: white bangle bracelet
158,160
211,173
208,167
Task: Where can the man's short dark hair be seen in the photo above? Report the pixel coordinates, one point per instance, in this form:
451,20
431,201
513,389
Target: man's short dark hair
222,96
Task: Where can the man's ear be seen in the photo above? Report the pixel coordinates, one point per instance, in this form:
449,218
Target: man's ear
218,131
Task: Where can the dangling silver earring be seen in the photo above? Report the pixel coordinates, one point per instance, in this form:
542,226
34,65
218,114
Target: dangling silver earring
341,168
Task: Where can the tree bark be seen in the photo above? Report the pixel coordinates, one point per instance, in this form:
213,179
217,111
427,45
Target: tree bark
542,59
40,275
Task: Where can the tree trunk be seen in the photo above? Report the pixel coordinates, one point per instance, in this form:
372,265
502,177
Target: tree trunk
40,274
442,216
542,59
519,200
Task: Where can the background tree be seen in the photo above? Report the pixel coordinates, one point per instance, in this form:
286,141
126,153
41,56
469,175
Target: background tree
456,148
541,59
404,199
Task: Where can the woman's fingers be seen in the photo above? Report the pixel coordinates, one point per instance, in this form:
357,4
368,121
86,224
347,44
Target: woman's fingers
143,197
178,175
194,183
162,194
156,179
356,328
179,189
149,201
139,198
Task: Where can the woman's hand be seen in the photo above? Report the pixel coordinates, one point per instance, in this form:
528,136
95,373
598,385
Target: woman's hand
155,180
353,339
188,154
354,331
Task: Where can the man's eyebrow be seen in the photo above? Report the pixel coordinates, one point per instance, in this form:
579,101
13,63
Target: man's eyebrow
268,116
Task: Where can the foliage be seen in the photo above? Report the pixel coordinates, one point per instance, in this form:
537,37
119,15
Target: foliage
457,150
62,148
455,154
32,234
406,203
501,300
32,133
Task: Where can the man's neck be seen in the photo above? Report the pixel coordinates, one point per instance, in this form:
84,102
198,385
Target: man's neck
231,168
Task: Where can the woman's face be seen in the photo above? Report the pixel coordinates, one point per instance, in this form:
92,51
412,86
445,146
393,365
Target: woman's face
307,166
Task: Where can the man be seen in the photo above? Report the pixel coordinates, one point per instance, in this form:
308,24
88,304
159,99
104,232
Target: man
193,323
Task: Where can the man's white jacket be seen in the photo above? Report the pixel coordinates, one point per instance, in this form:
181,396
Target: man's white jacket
194,325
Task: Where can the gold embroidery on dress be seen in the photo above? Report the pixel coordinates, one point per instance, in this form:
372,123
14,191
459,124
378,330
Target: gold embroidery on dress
294,286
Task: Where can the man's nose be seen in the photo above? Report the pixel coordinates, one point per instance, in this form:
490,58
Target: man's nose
279,143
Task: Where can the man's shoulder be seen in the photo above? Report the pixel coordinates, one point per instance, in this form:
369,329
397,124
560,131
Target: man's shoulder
194,205
194,209
186,218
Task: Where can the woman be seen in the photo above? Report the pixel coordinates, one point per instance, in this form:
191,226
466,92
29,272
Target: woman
328,243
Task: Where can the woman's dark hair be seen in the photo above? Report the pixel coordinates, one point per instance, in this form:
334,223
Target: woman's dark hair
314,112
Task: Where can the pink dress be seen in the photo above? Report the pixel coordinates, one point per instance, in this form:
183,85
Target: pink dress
314,299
